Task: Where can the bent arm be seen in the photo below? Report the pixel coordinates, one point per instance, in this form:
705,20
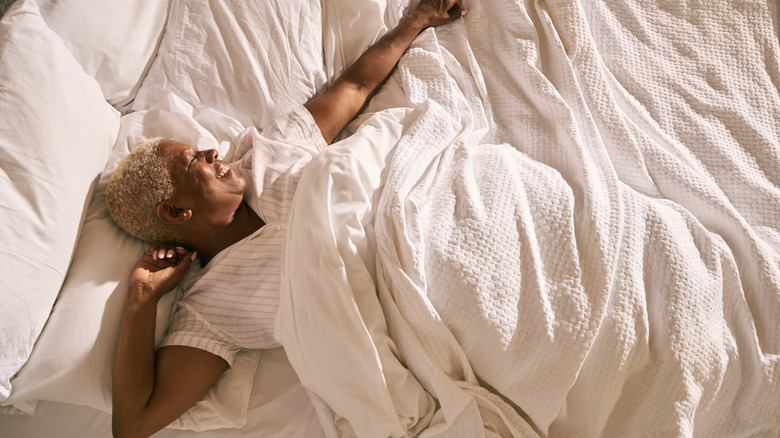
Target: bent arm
342,101
150,389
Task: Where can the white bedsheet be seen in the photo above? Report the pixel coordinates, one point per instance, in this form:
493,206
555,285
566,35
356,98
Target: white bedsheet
278,408
582,215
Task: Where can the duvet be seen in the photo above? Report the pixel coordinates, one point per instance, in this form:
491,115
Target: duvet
585,247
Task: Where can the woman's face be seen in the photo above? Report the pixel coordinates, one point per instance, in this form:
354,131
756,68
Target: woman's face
202,183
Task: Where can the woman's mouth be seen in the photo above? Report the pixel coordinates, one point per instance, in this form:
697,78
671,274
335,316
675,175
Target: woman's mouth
224,170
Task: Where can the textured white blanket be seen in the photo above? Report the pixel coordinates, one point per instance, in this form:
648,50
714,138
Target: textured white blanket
579,230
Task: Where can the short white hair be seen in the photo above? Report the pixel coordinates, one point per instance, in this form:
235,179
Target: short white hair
141,182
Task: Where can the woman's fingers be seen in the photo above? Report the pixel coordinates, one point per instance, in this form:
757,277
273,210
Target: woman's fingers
167,252
456,10
439,12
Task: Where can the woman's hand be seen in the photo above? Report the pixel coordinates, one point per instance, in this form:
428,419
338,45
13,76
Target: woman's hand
438,12
160,270
340,103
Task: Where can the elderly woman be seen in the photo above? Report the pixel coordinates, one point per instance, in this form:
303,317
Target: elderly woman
195,205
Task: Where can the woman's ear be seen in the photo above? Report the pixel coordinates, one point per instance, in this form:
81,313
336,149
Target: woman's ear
172,215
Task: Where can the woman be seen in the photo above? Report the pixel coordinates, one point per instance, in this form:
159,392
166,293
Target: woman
202,208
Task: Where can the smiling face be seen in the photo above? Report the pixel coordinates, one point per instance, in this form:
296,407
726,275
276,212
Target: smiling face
204,186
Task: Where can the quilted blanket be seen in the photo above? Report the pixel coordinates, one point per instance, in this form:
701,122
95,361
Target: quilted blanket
574,228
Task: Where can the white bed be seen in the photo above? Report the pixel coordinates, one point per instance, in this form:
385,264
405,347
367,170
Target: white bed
557,218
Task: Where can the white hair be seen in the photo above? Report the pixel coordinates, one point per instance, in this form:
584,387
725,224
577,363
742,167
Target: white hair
140,182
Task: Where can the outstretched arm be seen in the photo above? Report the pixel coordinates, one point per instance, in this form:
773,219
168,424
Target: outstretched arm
341,102
152,389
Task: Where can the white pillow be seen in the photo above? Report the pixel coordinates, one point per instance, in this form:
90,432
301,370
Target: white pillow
253,61
56,135
349,27
114,40
73,359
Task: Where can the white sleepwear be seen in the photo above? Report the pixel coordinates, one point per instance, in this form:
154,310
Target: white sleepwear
230,303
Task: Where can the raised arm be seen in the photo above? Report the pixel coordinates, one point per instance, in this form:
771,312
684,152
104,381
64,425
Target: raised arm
342,101
150,389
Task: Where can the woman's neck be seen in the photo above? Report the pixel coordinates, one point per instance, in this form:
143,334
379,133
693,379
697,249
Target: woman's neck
209,244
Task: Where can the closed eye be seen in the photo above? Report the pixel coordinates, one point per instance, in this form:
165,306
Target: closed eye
194,157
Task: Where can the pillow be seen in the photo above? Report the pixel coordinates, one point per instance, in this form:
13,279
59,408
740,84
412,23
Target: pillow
114,40
56,135
349,27
253,61
73,359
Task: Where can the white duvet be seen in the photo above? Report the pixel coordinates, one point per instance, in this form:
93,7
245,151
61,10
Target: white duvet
573,228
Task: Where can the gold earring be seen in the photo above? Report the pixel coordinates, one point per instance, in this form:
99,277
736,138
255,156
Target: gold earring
186,214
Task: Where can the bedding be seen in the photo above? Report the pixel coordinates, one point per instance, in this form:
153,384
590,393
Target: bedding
586,247
556,218
254,61
131,28
45,184
278,408
72,364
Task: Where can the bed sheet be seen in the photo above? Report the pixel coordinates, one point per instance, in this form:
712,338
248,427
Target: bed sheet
278,407
575,233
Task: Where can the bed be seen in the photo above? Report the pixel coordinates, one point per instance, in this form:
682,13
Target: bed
556,218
